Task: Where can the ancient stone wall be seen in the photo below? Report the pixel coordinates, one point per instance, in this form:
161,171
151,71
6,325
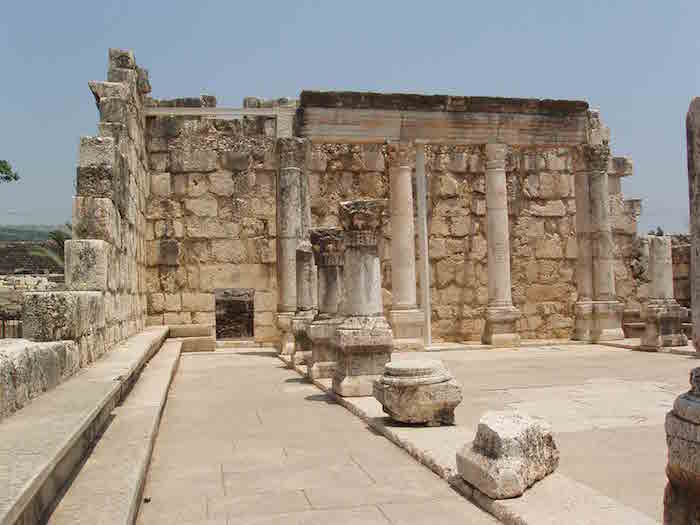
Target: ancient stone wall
541,207
211,217
680,255
105,262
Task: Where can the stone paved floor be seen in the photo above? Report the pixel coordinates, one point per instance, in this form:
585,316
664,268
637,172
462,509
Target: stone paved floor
245,441
607,407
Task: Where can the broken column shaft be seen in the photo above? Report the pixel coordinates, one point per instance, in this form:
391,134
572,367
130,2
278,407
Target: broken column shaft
364,341
328,252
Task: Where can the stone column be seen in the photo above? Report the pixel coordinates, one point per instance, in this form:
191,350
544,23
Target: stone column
606,309
501,315
307,292
405,317
291,153
364,340
692,124
584,251
328,252
682,494
661,314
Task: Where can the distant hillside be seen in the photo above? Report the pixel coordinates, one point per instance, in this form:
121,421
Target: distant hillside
28,232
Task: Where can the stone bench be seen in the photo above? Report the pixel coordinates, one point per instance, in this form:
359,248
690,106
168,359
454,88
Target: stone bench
108,487
43,443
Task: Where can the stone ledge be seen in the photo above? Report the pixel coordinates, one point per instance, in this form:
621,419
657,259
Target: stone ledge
412,102
108,489
553,500
28,369
37,463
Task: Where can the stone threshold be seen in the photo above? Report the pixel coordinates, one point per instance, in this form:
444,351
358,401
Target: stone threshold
556,499
109,486
633,343
44,443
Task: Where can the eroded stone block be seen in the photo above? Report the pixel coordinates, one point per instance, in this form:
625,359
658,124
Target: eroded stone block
87,264
511,451
418,391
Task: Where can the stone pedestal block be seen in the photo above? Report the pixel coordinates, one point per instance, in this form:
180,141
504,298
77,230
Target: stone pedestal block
418,391
682,494
407,326
323,354
511,451
363,346
662,325
302,343
500,329
598,321
283,320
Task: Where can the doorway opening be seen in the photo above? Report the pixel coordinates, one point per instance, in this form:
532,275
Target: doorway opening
234,313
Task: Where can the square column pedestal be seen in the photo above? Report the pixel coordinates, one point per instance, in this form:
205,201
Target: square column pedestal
323,354
407,326
598,321
302,343
500,329
662,325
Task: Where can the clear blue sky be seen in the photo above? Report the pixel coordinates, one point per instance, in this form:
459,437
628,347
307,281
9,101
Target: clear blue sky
638,61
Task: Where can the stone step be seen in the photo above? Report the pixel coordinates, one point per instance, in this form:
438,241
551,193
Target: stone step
197,344
239,343
109,485
43,443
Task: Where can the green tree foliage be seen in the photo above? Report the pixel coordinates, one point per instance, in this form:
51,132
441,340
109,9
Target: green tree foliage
58,237
7,174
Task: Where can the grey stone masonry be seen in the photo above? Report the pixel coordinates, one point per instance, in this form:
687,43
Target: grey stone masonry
682,494
328,253
364,341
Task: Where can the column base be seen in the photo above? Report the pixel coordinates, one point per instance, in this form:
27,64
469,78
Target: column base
322,362
500,328
663,325
407,326
302,343
598,321
363,346
283,320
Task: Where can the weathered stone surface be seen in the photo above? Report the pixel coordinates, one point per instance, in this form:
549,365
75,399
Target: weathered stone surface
681,501
510,452
418,391
27,369
87,264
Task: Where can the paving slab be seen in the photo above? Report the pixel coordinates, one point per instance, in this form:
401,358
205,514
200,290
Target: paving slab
243,439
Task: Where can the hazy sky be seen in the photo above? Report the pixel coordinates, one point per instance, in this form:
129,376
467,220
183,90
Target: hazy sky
638,61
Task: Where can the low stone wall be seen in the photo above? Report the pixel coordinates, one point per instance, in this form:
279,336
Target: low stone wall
12,287
27,369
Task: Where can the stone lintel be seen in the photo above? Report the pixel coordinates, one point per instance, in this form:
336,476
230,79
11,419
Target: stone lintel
447,103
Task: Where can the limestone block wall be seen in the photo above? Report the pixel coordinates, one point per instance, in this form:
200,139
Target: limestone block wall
541,207
210,217
105,262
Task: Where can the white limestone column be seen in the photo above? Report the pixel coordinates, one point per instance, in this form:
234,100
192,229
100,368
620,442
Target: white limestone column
364,341
291,154
584,252
328,253
606,309
501,315
405,317
662,315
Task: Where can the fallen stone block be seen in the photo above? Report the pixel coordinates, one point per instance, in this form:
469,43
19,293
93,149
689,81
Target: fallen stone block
511,451
418,391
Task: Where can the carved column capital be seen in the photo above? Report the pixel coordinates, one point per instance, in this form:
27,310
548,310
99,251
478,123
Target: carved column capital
399,153
291,152
327,246
596,156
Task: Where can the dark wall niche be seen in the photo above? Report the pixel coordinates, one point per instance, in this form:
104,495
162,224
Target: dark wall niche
234,312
